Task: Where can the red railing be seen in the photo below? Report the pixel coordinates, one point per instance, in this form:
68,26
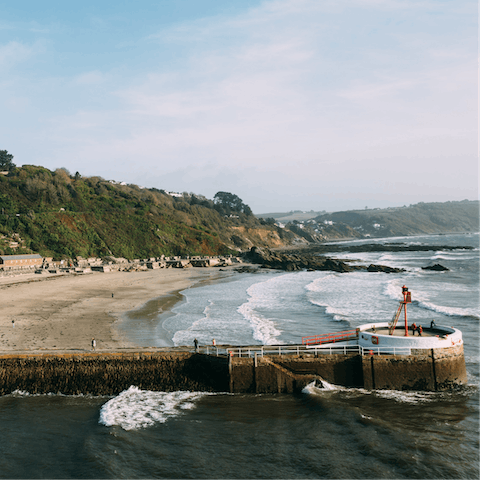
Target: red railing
330,337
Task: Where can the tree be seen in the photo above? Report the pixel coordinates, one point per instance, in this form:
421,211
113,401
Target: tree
227,203
6,162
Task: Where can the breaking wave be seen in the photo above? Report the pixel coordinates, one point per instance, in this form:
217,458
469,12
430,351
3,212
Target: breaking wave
261,295
135,408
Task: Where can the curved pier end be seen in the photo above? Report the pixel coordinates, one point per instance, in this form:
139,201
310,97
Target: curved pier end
433,361
425,369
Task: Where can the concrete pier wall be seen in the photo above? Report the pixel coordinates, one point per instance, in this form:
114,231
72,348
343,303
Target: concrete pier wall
430,370
109,374
288,374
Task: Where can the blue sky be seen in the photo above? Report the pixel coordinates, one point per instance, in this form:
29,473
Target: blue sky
290,104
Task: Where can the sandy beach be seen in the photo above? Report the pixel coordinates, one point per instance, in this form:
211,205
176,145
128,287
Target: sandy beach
64,313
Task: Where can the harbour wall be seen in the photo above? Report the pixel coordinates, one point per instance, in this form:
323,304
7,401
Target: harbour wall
109,374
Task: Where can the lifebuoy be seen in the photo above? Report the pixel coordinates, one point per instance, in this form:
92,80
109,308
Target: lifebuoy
375,340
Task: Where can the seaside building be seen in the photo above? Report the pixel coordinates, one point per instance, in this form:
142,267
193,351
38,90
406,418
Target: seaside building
10,262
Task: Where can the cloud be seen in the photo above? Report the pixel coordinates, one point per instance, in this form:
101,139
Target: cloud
14,52
282,97
90,78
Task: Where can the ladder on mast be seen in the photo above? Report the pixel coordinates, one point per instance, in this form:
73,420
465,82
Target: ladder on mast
393,323
407,298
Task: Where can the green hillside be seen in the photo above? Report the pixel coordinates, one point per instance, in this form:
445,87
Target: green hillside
421,218
62,215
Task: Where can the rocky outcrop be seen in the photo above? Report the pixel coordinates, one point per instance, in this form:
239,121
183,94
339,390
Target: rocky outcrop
291,262
437,268
384,269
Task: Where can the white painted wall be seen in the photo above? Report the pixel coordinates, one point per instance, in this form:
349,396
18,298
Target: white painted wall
448,337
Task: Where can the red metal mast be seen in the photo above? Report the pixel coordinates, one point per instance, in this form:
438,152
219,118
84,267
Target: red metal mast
407,298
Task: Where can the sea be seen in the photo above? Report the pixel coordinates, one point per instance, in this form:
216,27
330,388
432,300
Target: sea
330,432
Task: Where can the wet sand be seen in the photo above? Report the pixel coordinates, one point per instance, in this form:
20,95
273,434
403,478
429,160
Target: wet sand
64,313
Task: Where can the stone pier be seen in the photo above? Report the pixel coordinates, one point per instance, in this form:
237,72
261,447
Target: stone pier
110,373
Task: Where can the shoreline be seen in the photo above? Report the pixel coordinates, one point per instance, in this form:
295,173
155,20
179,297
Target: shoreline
64,313
133,324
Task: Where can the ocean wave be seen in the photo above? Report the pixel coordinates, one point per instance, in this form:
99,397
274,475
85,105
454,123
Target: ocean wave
264,296
448,311
318,286
406,397
20,393
393,290
199,328
336,314
400,396
264,329
134,408
440,257
314,388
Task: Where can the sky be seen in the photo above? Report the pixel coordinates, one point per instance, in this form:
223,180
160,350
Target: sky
289,104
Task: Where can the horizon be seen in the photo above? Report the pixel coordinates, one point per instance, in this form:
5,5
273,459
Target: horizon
289,104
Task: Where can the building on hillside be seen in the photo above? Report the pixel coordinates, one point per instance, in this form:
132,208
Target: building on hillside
10,262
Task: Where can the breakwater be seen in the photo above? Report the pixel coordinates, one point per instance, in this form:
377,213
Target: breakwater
426,369
111,373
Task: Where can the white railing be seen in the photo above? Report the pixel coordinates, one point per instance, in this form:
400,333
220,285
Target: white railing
263,350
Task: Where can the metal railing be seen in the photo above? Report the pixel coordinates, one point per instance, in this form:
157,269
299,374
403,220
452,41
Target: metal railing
331,337
263,350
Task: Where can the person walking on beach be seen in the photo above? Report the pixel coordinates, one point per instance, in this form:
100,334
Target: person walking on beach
13,323
94,344
195,342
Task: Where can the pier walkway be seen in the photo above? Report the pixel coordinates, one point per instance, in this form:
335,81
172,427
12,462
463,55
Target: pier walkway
271,350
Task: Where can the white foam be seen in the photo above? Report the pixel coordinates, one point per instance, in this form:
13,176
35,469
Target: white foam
449,311
321,297
200,329
20,393
263,329
135,408
393,289
406,397
262,296
313,388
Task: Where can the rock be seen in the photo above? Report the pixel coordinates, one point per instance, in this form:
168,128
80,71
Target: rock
384,269
336,266
437,268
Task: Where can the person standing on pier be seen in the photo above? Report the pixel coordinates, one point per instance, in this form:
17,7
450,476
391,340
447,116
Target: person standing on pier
94,344
195,342
414,328
432,324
